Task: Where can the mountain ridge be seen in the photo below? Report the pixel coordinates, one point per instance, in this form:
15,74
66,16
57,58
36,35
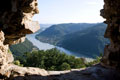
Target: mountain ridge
71,41
55,32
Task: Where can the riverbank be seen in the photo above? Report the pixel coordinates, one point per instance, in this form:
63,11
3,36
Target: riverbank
46,46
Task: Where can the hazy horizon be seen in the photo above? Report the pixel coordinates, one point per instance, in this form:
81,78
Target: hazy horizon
71,23
69,11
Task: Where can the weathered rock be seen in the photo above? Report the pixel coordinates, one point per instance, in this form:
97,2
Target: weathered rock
22,71
16,19
15,23
5,57
96,72
111,12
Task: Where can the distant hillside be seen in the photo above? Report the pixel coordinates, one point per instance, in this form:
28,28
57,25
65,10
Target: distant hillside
54,33
89,42
86,39
21,48
27,46
43,27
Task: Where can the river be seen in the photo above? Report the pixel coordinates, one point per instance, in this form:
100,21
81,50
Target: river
46,46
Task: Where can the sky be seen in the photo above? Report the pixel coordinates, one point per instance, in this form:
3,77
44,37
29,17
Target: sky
69,11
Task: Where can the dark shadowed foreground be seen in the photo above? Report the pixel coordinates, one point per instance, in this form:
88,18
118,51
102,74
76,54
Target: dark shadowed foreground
96,72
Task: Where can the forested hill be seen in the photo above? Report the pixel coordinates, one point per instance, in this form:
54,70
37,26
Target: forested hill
87,39
89,42
26,46
21,48
54,33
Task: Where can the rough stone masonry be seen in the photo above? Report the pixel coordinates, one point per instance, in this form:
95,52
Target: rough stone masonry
15,23
111,13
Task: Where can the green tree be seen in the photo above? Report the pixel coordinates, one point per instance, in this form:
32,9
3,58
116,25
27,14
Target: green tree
17,62
65,66
53,59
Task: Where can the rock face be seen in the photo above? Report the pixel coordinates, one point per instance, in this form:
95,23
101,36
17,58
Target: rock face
15,23
111,13
96,72
16,19
5,57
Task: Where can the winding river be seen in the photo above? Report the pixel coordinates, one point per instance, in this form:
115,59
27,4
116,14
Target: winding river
45,46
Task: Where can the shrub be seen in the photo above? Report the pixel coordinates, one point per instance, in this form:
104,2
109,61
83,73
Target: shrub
53,59
65,66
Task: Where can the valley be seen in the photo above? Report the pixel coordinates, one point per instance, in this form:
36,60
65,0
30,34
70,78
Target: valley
82,39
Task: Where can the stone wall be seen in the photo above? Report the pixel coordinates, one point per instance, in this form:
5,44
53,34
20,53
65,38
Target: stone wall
16,19
15,23
111,13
